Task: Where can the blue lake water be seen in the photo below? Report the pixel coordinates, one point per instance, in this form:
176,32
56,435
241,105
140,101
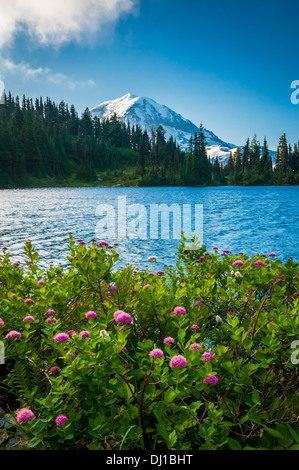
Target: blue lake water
248,219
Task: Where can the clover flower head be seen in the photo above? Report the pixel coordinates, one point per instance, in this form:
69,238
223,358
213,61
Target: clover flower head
84,334
13,334
178,361
54,369
28,301
195,346
156,353
198,302
179,311
60,420
102,243
194,327
28,318
259,263
41,282
24,415
207,357
50,312
168,340
90,314
1,322
71,332
61,338
238,263
122,317
211,380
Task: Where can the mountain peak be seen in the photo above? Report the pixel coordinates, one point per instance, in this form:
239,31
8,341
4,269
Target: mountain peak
148,115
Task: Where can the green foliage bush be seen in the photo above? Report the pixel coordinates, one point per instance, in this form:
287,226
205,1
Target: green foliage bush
117,398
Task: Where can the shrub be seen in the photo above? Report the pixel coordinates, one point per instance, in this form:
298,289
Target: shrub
223,379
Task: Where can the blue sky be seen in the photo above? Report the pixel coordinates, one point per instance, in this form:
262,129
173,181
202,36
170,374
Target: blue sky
229,64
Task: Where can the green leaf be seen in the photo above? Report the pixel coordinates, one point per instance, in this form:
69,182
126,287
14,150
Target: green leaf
256,397
233,444
163,432
34,442
172,438
294,434
123,440
195,405
273,433
287,438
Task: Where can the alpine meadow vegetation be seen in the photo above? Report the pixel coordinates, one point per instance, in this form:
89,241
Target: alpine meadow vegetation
198,356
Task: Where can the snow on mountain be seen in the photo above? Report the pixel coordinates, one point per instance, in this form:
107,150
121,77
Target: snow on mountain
149,114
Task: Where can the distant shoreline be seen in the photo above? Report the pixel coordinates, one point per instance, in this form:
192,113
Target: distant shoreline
123,185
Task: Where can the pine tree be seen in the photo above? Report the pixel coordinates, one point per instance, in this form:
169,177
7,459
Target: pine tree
230,167
266,162
238,164
255,151
245,159
282,155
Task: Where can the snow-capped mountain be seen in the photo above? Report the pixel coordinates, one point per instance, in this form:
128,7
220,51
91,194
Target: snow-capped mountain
148,114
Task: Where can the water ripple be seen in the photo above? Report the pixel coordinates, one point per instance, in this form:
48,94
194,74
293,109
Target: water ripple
251,220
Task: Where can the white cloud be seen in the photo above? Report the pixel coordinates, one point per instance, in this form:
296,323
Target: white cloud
56,22
24,70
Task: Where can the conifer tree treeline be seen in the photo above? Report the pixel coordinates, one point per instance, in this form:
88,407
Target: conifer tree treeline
253,165
45,140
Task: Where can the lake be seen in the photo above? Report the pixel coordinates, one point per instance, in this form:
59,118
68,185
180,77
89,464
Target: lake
247,219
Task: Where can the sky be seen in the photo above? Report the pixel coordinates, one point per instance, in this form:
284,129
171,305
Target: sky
228,65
